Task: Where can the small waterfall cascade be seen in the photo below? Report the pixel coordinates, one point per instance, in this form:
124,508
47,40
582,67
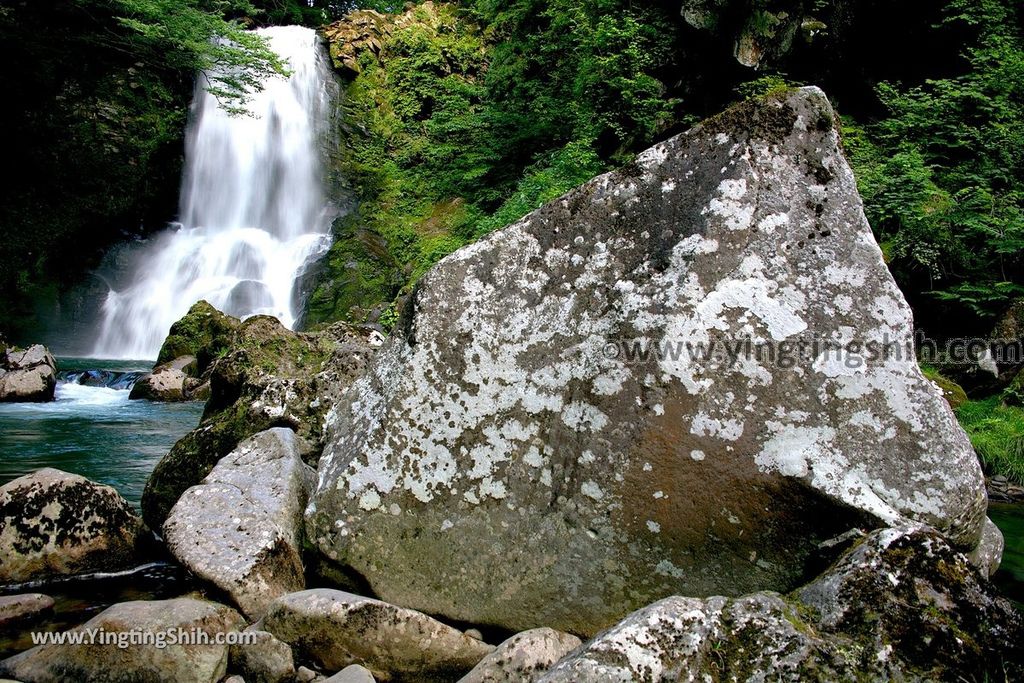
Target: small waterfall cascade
253,210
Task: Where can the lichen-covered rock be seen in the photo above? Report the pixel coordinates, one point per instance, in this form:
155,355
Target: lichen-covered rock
902,605
28,375
23,607
523,658
104,660
241,528
267,377
53,523
679,378
335,629
263,659
166,383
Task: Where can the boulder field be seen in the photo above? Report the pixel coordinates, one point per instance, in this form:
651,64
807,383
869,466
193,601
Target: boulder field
667,427
684,377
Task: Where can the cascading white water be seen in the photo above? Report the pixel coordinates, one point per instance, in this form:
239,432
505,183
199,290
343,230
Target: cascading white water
253,210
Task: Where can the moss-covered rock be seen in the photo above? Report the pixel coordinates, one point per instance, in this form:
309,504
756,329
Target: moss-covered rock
355,280
951,391
204,333
264,376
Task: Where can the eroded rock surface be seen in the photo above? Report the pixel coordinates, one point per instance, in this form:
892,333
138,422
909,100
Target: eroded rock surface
242,527
53,524
901,605
23,607
672,380
336,629
105,662
167,382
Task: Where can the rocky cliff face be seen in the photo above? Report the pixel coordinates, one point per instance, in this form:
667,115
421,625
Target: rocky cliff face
684,377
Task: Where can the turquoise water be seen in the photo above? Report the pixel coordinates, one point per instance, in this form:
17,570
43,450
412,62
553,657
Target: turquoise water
94,431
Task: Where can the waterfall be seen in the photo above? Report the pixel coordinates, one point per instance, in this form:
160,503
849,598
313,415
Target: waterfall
253,210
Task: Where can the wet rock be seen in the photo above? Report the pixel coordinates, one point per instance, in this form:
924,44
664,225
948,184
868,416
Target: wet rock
53,523
680,378
523,657
267,377
25,607
107,662
267,660
335,629
28,375
166,383
241,528
902,605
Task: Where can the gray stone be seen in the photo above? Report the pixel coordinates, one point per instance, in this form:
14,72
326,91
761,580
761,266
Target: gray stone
988,555
523,658
166,383
335,629
304,675
53,524
902,605
28,375
234,679
264,660
23,607
511,416
352,674
241,528
105,661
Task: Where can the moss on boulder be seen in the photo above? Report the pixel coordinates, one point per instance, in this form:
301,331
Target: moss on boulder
204,332
263,376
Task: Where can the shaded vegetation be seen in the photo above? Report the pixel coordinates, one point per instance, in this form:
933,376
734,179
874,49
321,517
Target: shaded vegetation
997,434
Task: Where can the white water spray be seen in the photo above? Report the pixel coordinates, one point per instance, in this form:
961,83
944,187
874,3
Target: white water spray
253,210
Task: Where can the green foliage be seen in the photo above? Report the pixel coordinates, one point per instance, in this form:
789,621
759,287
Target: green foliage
943,175
468,120
997,434
194,35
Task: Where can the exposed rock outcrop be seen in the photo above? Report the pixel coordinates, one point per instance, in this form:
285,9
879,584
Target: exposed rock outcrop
53,524
267,376
241,528
680,378
335,629
762,31
105,661
901,605
28,375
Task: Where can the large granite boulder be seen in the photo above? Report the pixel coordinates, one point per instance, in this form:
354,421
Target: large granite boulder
680,378
901,605
267,376
28,375
53,524
241,528
104,659
335,629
